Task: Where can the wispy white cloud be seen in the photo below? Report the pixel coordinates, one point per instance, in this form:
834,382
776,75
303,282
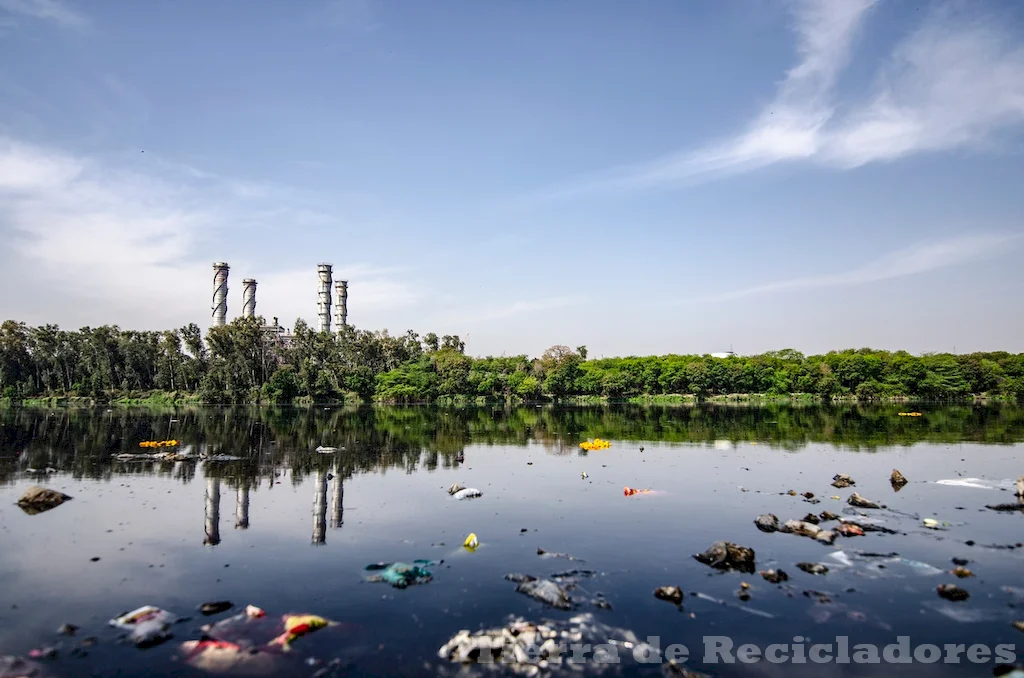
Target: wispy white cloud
957,79
919,258
102,244
50,10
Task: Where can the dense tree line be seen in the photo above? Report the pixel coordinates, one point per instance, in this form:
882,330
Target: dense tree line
242,362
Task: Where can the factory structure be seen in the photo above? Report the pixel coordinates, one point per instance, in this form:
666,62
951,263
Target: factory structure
327,290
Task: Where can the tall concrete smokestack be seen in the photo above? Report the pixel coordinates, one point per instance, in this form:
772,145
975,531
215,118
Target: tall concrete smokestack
220,293
341,300
248,298
323,271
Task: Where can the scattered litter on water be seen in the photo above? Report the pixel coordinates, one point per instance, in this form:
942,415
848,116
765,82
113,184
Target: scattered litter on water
401,575
147,625
326,450
471,543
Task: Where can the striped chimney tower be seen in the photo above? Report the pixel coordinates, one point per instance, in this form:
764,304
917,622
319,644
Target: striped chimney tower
220,293
248,298
341,304
323,272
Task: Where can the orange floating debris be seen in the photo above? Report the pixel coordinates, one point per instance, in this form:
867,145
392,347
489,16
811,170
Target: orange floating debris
630,491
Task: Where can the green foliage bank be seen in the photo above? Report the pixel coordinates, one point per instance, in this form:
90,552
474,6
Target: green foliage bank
243,363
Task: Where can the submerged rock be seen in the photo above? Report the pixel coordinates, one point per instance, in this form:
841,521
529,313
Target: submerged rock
546,591
1006,508
897,480
774,576
813,568
672,594
206,609
38,499
16,667
724,555
952,592
842,480
860,502
812,519
827,515
768,522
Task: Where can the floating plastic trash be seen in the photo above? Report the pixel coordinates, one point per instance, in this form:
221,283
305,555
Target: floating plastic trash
910,414
467,493
471,542
326,450
595,444
401,575
158,443
148,625
630,491
298,625
977,483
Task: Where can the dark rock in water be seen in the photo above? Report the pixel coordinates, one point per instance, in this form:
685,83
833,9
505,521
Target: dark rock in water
842,480
812,519
551,554
1006,508
38,499
828,515
826,536
808,495
801,528
897,480
768,522
812,568
519,578
960,562
214,608
601,604
724,555
860,502
573,574
67,629
775,576
547,592
952,592
672,594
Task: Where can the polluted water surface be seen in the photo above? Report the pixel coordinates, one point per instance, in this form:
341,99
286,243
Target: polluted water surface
480,541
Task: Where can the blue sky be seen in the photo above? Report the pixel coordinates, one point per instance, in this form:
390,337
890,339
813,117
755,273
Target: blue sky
641,178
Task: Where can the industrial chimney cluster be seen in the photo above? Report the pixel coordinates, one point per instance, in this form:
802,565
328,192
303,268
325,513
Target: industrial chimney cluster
324,289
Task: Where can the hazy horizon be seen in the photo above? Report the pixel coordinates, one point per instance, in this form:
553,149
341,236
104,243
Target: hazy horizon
641,179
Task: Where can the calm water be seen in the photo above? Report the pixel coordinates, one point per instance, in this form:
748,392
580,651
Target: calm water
291,530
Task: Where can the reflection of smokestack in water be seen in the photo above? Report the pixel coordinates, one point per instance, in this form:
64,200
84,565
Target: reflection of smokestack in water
248,298
242,508
323,272
212,512
337,501
320,509
220,293
341,304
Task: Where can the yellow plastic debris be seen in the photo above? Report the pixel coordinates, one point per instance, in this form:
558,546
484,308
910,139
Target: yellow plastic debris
471,542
